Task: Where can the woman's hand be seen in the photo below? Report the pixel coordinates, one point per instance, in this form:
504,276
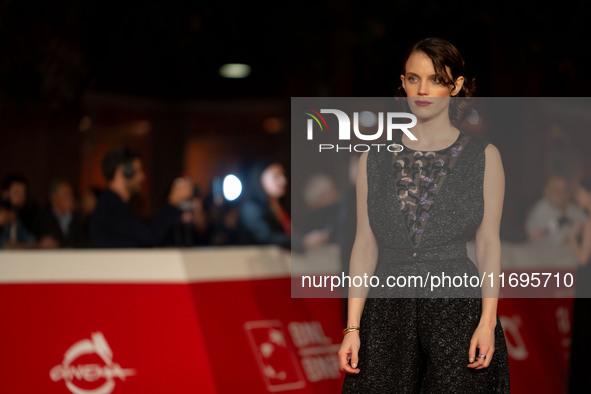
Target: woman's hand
348,352
483,339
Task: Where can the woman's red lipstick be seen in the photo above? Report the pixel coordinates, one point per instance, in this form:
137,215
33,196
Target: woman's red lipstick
421,103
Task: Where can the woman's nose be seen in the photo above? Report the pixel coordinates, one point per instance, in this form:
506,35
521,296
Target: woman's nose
423,89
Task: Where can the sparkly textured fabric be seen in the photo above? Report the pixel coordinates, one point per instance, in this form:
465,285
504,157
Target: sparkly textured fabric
418,178
423,207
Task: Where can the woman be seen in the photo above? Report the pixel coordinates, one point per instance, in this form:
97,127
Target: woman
580,240
416,210
262,218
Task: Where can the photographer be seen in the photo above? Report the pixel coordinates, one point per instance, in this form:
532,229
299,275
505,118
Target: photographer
113,224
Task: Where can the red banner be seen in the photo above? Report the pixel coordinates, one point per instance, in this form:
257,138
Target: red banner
196,333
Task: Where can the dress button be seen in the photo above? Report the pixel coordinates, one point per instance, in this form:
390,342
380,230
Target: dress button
414,254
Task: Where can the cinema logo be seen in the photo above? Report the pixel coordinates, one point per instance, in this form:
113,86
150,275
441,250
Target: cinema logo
90,377
287,365
390,123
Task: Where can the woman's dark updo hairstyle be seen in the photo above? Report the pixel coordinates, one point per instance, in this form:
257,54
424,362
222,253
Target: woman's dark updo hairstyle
443,53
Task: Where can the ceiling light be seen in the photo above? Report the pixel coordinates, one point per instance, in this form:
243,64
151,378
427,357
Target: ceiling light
235,70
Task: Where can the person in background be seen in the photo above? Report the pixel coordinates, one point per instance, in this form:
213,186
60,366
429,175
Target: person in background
191,228
14,189
60,226
13,234
113,224
262,219
87,205
322,199
554,215
580,240
222,223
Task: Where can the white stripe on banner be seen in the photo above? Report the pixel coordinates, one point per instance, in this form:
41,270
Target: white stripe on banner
144,265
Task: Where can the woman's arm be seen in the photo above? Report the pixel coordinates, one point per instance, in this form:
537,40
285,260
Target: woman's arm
364,254
364,257
488,241
488,256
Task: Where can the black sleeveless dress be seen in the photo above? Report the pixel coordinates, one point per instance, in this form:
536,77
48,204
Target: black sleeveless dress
423,207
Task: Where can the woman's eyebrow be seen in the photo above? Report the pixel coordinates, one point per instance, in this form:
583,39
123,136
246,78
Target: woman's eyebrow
410,73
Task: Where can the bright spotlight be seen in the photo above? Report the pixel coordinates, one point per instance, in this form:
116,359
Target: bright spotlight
235,70
232,187
368,119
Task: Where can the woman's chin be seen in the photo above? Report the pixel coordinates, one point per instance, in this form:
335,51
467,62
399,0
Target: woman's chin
424,114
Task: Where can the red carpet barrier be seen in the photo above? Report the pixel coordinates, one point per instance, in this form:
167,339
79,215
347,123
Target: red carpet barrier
204,321
162,321
538,334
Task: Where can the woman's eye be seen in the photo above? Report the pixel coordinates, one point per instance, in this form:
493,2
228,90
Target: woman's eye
412,79
435,80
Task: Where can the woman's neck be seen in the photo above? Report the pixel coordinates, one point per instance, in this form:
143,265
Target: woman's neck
432,133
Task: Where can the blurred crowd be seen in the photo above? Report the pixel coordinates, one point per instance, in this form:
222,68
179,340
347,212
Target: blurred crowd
559,215
107,218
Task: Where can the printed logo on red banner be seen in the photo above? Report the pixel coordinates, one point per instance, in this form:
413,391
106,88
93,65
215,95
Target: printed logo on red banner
276,361
515,342
318,355
88,367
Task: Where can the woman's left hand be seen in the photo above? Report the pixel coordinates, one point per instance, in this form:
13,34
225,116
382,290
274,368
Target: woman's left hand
483,339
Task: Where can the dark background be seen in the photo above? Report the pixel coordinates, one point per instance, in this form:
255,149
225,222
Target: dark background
79,77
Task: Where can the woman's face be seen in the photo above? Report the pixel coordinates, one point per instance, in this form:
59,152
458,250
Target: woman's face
426,93
274,181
